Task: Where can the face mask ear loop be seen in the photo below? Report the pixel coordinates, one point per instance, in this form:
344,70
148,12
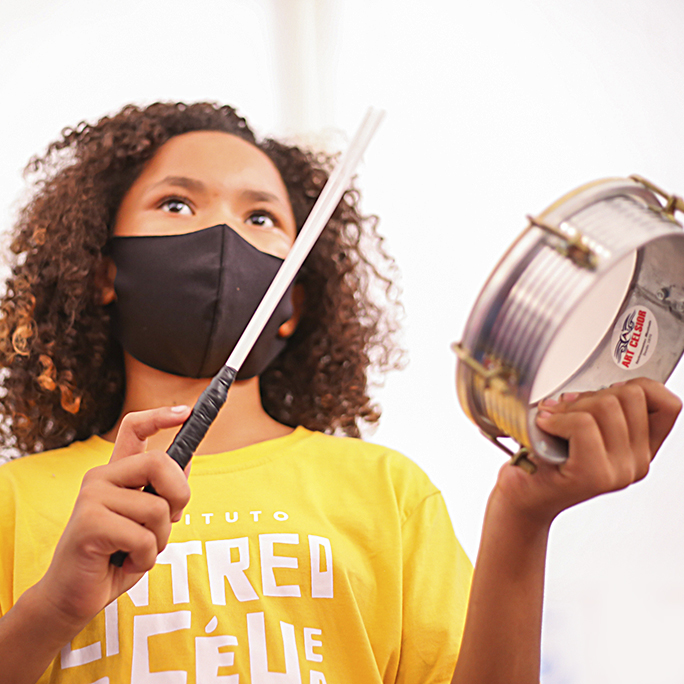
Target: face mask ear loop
215,395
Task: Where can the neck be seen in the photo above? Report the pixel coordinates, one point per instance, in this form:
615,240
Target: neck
240,423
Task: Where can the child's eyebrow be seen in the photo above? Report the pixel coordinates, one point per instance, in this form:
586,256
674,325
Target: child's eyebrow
260,196
183,182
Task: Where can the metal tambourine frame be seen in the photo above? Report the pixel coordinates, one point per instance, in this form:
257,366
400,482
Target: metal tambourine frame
556,262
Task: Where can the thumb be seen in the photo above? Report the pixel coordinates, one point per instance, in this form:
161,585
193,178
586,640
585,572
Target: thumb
138,426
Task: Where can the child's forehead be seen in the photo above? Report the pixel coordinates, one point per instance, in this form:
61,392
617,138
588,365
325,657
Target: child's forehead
212,156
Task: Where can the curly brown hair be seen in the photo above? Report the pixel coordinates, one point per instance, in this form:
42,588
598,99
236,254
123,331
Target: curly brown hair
63,372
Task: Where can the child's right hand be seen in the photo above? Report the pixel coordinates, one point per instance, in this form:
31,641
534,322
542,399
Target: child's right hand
112,513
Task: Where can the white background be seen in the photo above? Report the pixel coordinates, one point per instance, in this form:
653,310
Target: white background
494,110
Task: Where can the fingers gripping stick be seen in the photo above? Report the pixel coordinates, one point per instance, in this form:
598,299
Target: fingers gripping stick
193,430
213,398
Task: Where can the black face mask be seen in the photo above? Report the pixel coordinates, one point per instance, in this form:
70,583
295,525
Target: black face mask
182,301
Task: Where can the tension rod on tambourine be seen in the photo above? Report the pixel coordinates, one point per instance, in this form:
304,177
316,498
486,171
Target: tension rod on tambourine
673,202
577,248
497,375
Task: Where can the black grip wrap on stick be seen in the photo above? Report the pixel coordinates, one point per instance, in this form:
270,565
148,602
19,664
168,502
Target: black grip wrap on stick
203,413
193,430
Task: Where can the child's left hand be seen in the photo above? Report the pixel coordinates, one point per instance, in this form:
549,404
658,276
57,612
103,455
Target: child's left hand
613,436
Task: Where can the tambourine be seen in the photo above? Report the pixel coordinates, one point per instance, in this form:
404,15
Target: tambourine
591,293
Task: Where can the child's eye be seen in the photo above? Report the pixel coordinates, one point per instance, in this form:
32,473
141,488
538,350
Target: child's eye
175,205
262,219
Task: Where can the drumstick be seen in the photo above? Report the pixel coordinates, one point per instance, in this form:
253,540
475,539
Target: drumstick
215,395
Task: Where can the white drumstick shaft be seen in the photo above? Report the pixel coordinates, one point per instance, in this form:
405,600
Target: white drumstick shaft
321,212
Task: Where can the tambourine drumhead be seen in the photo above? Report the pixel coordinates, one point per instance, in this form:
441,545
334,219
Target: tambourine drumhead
590,294
580,333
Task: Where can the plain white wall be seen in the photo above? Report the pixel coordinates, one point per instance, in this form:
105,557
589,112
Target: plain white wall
495,109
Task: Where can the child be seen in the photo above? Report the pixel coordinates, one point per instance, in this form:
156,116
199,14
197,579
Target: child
301,557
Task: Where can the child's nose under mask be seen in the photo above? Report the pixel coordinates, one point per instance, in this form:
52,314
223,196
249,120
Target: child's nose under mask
182,301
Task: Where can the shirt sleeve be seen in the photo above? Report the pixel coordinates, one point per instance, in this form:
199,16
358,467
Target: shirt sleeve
436,586
7,517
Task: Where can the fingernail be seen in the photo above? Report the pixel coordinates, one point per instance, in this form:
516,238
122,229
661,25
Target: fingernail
619,384
569,397
181,408
543,415
549,402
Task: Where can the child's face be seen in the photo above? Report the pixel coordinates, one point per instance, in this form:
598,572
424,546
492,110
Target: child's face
205,178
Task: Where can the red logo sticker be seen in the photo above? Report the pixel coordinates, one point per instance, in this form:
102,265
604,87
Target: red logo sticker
635,337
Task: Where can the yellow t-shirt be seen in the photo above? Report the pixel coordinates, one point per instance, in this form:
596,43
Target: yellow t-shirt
304,559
